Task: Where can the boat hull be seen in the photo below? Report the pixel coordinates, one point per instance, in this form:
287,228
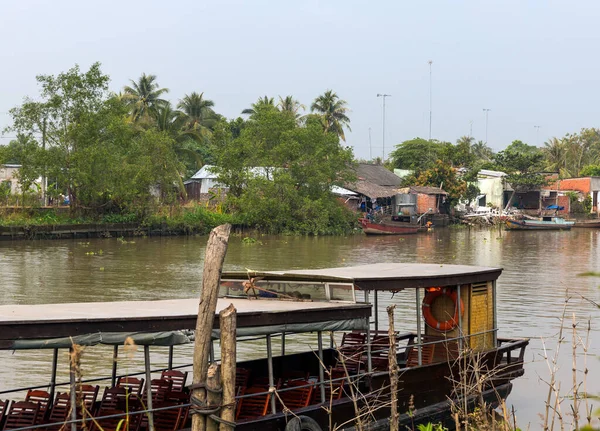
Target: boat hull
370,228
593,224
536,225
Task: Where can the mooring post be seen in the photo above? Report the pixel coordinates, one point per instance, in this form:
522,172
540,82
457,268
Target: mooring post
270,371
73,385
53,377
113,378
393,370
213,396
148,388
228,326
418,307
213,266
321,365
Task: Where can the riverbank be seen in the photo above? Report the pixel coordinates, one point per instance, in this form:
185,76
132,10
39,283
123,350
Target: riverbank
59,223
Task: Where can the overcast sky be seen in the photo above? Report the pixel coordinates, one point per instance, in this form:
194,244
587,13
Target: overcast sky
533,63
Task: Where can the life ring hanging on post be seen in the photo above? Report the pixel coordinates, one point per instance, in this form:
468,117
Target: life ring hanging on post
429,299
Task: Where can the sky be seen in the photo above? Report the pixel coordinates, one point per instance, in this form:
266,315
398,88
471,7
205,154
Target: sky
532,63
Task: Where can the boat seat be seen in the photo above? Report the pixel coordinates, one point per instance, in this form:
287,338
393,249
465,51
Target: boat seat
297,398
333,390
242,376
22,414
289,375
113,398
59,412
41,397
177,378
133,384
4,406
255,406
427,355
159,389
89,396
114,423
169,419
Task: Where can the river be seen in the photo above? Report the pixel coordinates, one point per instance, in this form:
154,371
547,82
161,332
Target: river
539,269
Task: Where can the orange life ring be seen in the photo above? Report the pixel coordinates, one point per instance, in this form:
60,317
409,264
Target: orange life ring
431,321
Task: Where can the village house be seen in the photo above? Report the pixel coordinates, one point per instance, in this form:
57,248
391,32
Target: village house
557,193
9,173
374,188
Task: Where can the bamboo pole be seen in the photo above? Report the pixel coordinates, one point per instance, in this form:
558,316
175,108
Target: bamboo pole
228,326
213,397
393,370
213,265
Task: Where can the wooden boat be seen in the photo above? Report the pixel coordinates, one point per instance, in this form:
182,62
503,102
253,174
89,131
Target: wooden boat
593,224
545,223
388,228
314,381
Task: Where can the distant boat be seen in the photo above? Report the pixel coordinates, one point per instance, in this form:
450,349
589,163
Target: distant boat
587,223
545,223
388,228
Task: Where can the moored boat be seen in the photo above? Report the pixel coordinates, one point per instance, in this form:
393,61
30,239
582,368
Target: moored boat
388,228
457,320
593,224
545,223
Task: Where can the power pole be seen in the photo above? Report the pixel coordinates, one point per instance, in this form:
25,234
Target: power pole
487,111
471,129
370,146
383,139
537,135
430,98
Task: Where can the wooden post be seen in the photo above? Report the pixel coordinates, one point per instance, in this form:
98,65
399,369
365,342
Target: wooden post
228,325
149,406
393,370
213,399
213,265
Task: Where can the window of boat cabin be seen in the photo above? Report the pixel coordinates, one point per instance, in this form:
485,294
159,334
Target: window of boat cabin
313,291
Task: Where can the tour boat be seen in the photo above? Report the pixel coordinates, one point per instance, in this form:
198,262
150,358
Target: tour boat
343,368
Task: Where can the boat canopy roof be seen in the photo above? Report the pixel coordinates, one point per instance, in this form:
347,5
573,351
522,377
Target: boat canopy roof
380,276
164,322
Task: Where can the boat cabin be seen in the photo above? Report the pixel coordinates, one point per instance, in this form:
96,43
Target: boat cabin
331,340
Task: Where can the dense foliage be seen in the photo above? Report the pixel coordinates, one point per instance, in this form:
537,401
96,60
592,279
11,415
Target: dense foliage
127,154
279,173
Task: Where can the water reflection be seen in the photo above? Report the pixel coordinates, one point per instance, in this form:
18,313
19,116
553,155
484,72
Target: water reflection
539,269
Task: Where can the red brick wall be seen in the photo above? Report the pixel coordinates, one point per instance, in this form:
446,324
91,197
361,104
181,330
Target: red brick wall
424,202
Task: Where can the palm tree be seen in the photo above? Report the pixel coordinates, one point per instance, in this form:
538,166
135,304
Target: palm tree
261,103
481,151
143,96
333,113
555,152
289,104
197,111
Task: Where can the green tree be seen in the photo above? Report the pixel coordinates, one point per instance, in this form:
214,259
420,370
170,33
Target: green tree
444,176
279,174
261,104
556,154
590,171
291,105
144,97
416,154
482,152
333,112
522,164
198,112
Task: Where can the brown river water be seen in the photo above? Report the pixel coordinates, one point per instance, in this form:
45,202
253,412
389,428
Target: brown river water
539,269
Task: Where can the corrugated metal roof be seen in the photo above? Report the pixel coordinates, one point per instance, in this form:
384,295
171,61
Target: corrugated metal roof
204,173
372,190
422,190
377,174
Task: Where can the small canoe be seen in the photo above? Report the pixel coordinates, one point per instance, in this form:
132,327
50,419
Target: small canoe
389,228
547,223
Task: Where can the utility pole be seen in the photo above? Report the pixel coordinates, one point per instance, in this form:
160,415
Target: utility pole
370,146
487,111
44,178
383,139
471,129
430,98
537,135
